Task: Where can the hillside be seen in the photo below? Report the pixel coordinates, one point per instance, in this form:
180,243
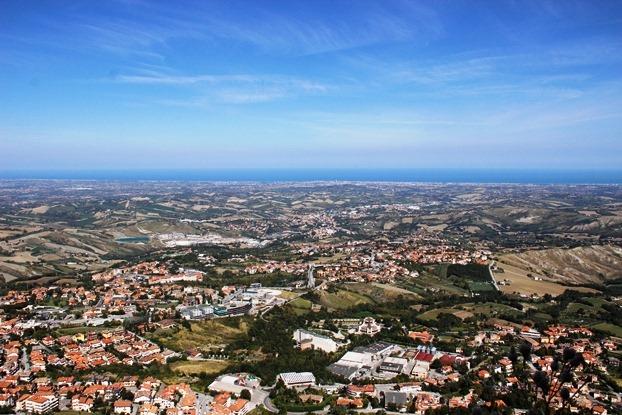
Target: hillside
582,265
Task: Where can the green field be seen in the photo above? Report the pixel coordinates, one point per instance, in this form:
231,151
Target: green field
481,286
204,335
342,299
609,328
486,309
300,306
380,293
491,309
428,281
190,367
574,309
431,315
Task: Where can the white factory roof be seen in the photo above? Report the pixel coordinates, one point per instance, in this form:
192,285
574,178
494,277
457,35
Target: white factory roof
292,378
354,359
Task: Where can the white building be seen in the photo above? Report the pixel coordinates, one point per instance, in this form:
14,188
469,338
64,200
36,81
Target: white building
356,359
235,383
309,340
123,407
40,404
196,312
369,327
298,380
393,364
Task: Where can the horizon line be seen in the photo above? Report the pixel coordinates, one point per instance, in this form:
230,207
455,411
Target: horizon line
446,175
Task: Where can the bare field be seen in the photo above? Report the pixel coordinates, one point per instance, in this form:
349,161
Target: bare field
522,284
197,367
591,264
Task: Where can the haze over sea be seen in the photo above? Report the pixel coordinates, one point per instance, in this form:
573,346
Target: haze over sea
448,175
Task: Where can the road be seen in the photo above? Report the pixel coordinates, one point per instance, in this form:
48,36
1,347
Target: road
203,403
25,360
310,278
492,275
267,403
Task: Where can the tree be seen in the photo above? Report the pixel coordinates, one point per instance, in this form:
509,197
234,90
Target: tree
537,389
245,394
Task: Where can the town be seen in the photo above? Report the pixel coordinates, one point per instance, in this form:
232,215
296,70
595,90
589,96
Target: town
116,342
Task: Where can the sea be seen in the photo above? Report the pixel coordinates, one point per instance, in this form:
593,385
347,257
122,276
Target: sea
440,175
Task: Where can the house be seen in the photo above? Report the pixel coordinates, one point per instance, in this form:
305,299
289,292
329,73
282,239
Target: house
6,400
223,399
357,391
65,380
506,365
309,397
297,380
427,400
130,381
82,403
122,407
40,404
422,365
240,407
395,399
142,396
20,405
148,409
350,402
528,332
483,374
460,401
410,387
421,336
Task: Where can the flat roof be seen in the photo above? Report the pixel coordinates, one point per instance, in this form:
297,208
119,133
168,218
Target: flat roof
374,348
297,377
342,370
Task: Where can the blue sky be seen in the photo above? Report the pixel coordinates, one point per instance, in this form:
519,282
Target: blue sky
299,84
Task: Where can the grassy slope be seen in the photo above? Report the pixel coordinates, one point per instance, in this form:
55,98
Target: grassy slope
203,335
